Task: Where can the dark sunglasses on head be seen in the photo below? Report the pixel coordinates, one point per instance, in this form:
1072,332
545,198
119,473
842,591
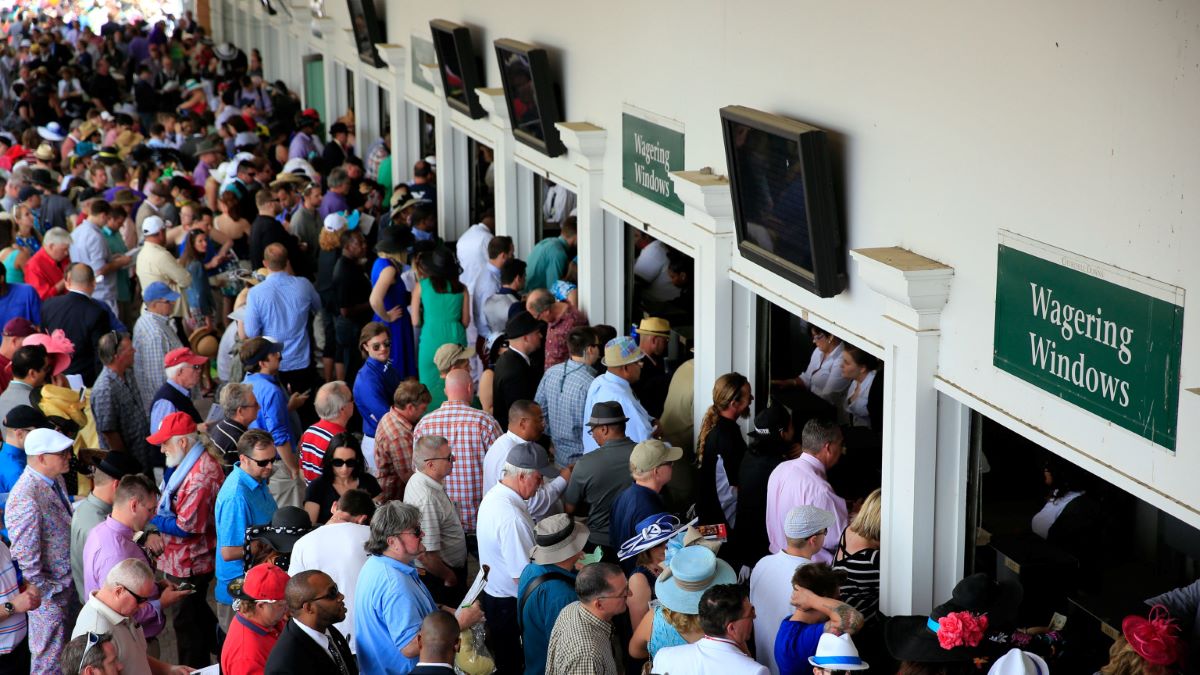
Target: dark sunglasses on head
338,462
93,639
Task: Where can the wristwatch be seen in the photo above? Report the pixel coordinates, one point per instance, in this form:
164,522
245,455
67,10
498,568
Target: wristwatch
8,607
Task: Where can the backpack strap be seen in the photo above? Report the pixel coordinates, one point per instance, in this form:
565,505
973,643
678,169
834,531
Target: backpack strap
548,576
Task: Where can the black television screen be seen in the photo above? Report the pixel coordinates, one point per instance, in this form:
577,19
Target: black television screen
784,206
530,93
368,31
458,65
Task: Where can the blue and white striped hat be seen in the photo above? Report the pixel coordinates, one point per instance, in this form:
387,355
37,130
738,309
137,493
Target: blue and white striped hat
837,652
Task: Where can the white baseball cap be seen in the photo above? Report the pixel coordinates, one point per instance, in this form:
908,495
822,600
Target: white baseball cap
46,442
152,225
335,222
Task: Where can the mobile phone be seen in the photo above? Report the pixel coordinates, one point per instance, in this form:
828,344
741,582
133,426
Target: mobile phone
185,586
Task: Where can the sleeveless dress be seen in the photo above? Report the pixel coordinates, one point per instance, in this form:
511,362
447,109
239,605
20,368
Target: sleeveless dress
403,351
441,323
662,634
13,275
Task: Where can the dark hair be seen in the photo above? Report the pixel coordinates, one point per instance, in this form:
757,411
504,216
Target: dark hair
346,235
343,440
579,339
421,212
189,252
720,606
604,333
861,358
498,245
252,439
494,353
592,581
356,503
512,269
422,169
819,578
27,359
135,485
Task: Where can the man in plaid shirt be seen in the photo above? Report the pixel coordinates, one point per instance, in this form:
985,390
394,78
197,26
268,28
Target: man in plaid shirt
562,394
153,337
394,438
470,433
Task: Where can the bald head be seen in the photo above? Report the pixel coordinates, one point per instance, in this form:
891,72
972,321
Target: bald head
275,257
438,639
458,385
80,277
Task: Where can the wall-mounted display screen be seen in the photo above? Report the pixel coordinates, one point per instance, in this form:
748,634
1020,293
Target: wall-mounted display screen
531,95
368,31
785,207
458,65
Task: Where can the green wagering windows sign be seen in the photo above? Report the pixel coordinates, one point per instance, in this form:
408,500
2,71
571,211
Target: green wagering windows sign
651,148
1102,338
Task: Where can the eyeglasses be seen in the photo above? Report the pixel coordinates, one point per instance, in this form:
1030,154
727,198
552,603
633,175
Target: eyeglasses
93,639
624,594
200,367
386,344
338,462
331,594
141,600
416,532
263,463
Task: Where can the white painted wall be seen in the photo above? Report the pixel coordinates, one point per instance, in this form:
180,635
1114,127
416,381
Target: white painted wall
1073,123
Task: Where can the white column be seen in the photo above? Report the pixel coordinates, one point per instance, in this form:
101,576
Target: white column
585,142
395,56
708,206
504,169
916,289
443,138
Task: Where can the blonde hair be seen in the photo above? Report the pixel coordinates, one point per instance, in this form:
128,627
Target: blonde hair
686,624
866,522
726,391
329,241
1123,660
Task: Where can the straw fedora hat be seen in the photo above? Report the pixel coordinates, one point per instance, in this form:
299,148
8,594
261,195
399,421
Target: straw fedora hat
204,342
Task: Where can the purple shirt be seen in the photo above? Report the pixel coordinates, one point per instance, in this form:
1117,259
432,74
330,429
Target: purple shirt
107,544
332,202
799,482
200,174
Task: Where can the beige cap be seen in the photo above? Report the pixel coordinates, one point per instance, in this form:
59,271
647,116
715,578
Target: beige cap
449,354
652,453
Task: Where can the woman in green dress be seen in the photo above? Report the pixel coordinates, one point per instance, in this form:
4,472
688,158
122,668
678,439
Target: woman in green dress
441,306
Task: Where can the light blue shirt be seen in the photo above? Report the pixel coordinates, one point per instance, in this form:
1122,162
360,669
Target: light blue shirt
162,407
89,247
389,604
280,308
242,502
609,387
273,414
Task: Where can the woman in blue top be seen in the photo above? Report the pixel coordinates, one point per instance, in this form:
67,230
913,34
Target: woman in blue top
676,618
390,298
375,383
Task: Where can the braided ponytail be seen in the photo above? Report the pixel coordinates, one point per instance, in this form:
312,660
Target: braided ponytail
725,392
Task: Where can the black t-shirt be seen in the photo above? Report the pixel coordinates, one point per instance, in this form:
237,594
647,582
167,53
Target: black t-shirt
325,495
351,287
266,231
724,441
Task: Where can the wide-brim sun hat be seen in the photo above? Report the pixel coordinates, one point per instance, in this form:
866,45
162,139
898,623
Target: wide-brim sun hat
650,532
288,524
558,538
204,342
51,132
692,571
837,652
395,239
225,51
1018,662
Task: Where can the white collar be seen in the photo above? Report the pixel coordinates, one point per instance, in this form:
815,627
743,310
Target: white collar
521,353
320,638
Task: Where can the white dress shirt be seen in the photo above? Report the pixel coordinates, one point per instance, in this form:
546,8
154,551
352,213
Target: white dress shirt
472,252
708,656
770,593
856,411
823,376
337,550
609,387
505,533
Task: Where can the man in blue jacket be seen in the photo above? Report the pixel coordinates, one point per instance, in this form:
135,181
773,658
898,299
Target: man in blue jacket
548,584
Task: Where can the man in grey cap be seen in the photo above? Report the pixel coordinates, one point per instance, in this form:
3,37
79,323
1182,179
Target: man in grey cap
547,584
601,475
806,528
506,536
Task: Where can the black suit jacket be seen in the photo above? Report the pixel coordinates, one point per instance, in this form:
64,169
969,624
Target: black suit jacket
85,322
295,653
514,380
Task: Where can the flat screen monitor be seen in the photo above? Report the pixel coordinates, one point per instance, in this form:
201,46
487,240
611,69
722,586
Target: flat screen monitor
368,31
458,65
784,204
531,96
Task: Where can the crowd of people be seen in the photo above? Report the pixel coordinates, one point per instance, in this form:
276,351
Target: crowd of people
251,400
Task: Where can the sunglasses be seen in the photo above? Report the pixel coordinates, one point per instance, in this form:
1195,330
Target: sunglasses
263,463
379,345
331,594
338,462
141,600
448,458
93,639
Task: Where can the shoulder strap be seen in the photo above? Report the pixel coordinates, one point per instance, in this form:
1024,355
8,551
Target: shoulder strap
548,576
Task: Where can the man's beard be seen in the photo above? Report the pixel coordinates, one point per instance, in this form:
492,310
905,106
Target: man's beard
174,459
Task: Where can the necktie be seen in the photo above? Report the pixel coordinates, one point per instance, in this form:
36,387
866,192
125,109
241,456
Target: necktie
337,656
58,490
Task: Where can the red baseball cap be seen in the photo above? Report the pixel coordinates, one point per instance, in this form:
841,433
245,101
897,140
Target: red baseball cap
183,355
264,581
175,424
19,327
